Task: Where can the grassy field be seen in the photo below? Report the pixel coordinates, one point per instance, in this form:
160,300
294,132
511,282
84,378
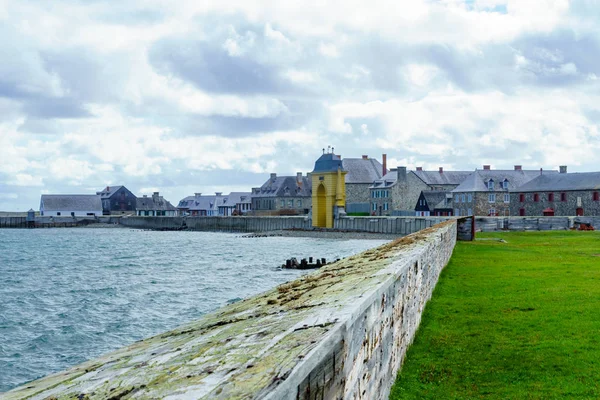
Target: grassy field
518,319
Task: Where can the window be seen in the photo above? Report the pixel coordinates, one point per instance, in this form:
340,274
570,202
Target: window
282,203
521,198
374,208
492,212
72,214
58,214
457,212
536,197
470,198
505,184
469,212
490,184
506,198
492,197
550,196
596,196
563,196
298,203
464,198
373,194
291,203
456,198
385,206
522,212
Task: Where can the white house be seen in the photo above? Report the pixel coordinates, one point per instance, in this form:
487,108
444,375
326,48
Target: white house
70,205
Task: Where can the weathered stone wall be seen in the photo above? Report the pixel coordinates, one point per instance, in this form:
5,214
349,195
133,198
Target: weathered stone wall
54,222
358,193
489,224
575,199
339,333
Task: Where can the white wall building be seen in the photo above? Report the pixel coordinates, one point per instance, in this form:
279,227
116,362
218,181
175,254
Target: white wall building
70,205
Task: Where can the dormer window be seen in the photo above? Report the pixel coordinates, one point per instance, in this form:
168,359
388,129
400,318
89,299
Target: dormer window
490,184
505,184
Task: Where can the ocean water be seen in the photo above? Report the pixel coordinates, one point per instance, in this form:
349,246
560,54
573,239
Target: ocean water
68,295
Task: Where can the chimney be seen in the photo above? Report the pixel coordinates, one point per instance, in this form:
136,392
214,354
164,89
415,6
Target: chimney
486,167
218,194
155,195
145,196
563,169
419,168
441,170
518,168
384,159
541,171
299,177
197,194
401,171
108,188
273,176
365,157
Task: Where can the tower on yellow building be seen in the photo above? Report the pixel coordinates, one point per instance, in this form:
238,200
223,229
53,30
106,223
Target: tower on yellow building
328,190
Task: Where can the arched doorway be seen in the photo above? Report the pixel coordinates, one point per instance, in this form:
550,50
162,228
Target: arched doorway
321,207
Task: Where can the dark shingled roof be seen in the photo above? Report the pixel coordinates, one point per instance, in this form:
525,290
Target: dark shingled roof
558,182
71,202
362,170
154,202
327,163
285,186
477,181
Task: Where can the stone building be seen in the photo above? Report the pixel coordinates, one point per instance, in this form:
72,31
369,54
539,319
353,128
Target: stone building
70,205
287,195
155,206
563,194
397,192
117,200
361,173
486,192
328,190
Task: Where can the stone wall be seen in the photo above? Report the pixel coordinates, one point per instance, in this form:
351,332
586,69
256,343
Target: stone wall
339,333
574,200
490,224
358,193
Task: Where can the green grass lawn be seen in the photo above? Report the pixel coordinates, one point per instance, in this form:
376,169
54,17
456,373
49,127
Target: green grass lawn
514,320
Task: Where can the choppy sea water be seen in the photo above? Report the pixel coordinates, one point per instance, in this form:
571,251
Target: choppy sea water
69,295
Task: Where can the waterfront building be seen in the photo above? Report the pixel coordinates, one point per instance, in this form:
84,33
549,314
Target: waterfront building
117,200
283,195
361,173
397,192
155,206
328,190
486,192
200,206
70,205
562,194
237,203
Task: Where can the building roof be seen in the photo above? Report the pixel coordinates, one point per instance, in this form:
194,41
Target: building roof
240,198
154,202
477,181
442,178
109,191
362,170
328,162
558,182
71,202
285,186
433,199
386,181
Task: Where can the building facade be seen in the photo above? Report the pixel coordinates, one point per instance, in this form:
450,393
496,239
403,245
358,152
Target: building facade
434,203
397,192
283,195
70,205
487,192
563,194
328,190
361,173
155,206
117,200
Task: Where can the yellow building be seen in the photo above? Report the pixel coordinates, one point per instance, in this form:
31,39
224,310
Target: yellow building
328,190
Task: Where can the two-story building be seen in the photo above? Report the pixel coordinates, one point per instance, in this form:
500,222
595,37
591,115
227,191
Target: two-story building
486,192
434,203
563,194
291,195
155,206
117,200
397,192
360,175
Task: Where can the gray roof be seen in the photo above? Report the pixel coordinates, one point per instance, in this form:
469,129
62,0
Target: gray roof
285,186
387,180
434,197
106,194
558,182
477,181
239,198
442,178
154,202
328,162
199,203
362,170
71,202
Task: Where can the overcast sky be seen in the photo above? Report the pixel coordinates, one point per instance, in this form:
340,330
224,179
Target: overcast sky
208,96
